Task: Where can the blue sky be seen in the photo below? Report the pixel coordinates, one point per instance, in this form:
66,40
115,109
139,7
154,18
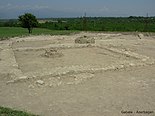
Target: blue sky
76,8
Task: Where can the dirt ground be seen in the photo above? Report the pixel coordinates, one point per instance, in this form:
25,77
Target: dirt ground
113,77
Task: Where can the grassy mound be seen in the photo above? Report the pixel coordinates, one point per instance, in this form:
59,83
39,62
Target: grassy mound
11,112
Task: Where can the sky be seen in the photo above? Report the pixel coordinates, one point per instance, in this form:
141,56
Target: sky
76,8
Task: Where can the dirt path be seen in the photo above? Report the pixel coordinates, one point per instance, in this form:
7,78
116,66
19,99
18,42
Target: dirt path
115,75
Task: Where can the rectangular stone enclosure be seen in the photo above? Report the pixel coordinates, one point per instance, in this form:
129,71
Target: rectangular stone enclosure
92,57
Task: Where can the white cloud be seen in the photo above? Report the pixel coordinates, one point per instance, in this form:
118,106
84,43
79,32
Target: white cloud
38,7
23,7
104,9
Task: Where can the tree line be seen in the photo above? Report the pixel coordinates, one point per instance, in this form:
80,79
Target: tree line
132,23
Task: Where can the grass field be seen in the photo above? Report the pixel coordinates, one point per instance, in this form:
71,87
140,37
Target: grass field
112,24
8,32
11,112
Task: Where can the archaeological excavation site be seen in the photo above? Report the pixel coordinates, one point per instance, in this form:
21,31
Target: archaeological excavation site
68,73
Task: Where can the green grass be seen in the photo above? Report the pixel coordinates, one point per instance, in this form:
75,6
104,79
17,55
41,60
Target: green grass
11,112
8,32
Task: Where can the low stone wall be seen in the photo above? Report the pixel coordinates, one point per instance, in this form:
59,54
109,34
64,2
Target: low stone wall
52,53
8,63
85,40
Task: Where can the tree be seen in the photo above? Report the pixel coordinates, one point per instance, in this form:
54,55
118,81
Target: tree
28,21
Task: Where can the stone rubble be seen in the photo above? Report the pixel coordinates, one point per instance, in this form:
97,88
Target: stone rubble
78,73
39,82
